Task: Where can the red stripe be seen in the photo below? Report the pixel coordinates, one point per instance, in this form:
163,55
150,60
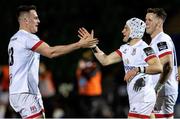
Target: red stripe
35,115
166,53
36,45
163,115
119,53
138,116
150,57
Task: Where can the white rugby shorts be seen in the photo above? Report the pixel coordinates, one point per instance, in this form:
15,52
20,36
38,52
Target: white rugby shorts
27,105
164,106
141,109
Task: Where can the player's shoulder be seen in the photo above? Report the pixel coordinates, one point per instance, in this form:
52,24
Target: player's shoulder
142,44
19,35
22,34
163,37
124,46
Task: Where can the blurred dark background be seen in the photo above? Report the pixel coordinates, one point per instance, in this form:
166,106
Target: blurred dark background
60,20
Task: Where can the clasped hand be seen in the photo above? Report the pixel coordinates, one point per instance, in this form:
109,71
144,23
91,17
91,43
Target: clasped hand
85,36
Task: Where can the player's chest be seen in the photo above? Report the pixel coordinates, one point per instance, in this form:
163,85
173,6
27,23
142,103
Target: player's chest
131,55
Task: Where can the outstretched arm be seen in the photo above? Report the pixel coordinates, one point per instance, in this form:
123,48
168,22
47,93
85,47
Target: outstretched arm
106,59
99,54
55,51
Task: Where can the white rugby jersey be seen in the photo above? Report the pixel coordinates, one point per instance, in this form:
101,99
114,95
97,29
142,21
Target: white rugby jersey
136,56
23,63
163,45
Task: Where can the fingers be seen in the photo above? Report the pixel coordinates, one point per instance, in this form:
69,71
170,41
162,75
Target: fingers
127,77
130,75
80,36
92,44
83,33
84,30
92,33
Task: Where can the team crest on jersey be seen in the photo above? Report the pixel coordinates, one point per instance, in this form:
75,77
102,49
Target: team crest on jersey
133,52
124,51
162,46
148,51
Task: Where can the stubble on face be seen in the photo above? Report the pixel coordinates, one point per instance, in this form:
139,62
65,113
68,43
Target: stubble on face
33,21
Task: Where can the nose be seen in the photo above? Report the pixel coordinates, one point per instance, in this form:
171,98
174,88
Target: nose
38,21
123,31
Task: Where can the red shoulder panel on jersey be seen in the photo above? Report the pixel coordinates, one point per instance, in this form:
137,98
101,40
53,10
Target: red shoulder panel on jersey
119,53
138,116
36,45
150,57
166,53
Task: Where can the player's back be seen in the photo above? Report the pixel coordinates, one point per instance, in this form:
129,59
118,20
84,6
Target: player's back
23,63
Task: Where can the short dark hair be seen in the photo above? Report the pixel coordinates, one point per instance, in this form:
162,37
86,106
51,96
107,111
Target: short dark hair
160,12
24,8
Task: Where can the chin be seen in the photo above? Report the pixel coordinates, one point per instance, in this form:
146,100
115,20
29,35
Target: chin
125,40
148,32
35,31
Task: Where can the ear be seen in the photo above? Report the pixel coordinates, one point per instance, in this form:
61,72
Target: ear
26,20
159,22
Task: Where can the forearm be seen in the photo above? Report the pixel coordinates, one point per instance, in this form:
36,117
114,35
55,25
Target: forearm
167,69
153,69
100,55
63,49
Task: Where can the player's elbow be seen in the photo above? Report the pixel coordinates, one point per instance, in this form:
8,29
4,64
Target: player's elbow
50,56
51,53
105,62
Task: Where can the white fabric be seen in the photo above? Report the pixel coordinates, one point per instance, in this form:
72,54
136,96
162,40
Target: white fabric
165,104
26,104
142,108
23,72
171,87
137,27
134,56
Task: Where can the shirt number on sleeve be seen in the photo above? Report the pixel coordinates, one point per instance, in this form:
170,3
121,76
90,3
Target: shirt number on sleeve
11,59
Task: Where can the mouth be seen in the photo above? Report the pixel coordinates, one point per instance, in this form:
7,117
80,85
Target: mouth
124,35
147,27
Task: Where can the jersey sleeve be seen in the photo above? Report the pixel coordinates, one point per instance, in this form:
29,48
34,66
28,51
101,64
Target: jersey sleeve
148,53
33,42
163,48
118,51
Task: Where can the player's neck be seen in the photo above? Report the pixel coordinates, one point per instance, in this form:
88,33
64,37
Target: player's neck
24,28
134,41
156,32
